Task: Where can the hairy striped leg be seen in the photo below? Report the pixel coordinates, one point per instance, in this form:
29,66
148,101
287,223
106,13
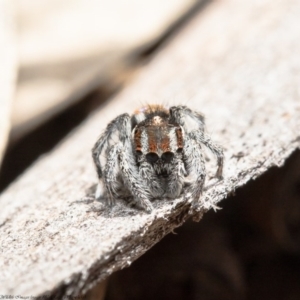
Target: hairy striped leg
132,181
195,166
179,114
110,175
201,138
120,124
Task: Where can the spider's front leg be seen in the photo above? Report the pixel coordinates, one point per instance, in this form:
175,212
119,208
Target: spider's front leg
195,165
120,159
131,177
111,181
120,124
178,114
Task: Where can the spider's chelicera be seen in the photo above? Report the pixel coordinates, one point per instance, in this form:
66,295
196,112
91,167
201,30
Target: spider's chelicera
156,156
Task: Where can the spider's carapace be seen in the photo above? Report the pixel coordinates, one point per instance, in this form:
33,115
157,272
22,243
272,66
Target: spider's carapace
155,136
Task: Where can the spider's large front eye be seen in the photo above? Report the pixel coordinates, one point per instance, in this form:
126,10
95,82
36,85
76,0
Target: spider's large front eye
152,157
167,157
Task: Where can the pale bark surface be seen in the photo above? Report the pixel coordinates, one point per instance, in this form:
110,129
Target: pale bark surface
8,63
237,63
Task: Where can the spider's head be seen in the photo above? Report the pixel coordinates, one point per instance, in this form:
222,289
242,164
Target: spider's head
157,139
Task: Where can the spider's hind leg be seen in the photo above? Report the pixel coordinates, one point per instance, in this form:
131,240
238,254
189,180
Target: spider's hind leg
195,164
131,178
178,114
200,137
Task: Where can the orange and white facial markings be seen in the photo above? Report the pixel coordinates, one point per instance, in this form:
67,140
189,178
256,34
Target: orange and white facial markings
153,137
165,142
155,134
179,136
137,139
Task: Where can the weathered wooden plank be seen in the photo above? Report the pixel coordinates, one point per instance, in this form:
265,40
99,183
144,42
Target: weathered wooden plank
8,63
68,49
238,63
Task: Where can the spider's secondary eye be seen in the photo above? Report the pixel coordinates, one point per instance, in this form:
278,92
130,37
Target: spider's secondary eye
139,152
152,157
167,157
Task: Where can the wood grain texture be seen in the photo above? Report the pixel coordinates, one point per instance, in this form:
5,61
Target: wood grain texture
237,63
8,63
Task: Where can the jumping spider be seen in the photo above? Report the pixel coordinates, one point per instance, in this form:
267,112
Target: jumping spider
156,156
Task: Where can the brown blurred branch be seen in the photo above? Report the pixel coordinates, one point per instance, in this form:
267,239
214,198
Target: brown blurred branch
68,50
8,63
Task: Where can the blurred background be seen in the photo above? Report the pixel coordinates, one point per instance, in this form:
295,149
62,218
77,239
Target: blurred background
60,60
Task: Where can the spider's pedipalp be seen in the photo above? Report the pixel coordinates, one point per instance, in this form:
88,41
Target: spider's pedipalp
176,177
147,173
